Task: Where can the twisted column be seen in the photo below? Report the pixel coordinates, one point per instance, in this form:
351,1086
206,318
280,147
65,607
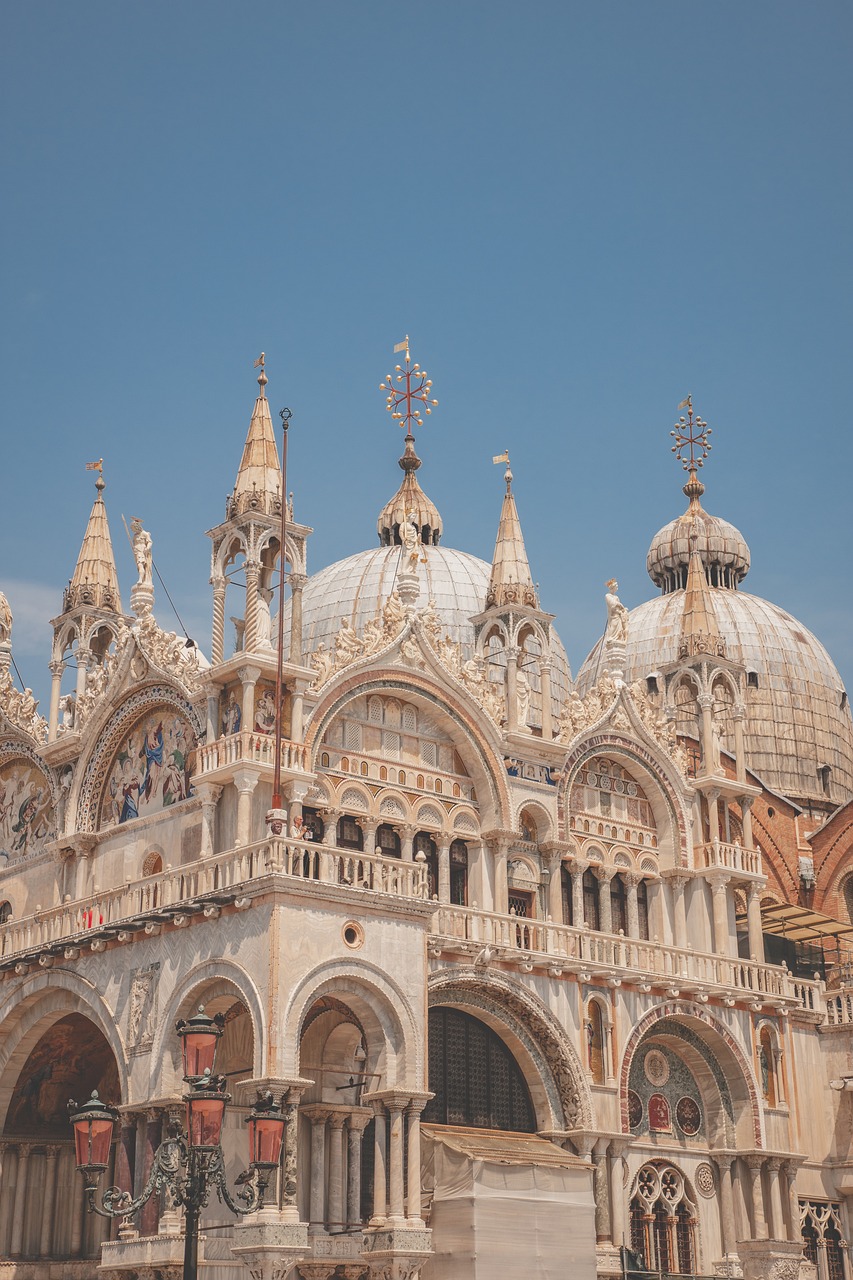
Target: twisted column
217,646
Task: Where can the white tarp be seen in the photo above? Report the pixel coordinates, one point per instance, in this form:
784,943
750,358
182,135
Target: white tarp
507,1207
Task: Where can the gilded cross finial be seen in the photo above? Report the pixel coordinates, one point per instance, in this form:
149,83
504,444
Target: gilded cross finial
691,434
413,388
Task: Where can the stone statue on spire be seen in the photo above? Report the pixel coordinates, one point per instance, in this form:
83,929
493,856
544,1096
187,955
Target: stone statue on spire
617,614
143,553
5,620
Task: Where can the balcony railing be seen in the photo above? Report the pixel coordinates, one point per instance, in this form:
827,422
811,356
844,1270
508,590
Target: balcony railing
208,883
609,955
251,748
839,1007
729,857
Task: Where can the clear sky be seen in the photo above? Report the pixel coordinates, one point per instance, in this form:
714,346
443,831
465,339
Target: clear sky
580,212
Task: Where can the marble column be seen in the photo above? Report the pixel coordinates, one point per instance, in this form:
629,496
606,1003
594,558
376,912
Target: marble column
728,1233
316,1197
605,910
753,918
407,842
512,689
547,713
554,864
720,902
395,1160
150,1213
356,1125
20,1204
48,1201
603,1227
297,582
245,780
249,677
84,657
679,912
712,798
413,1172
746,803
706,704
217,646
379,1167
577,894
759,1221
616,1160
632,883
212,725
335,1215
56,671
297,715
250,637
738,715
76,1210
290,1159
444,868
500,850
209,795
789,1170
777,1220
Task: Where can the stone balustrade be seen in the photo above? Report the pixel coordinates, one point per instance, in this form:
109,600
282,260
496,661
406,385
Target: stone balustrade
190,887
735,858
611,955
250,748
839,1007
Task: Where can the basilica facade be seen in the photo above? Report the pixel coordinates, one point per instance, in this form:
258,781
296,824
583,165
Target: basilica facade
547,973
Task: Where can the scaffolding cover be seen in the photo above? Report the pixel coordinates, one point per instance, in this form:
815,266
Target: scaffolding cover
505,1206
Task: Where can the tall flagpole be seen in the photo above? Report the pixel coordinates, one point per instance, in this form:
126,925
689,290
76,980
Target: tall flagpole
285,416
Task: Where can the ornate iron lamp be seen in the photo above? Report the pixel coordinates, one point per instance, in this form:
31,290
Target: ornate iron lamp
191,1164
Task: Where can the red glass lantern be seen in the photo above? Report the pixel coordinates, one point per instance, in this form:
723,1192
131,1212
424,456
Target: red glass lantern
199,1038
266,1134
205,1113
93,1133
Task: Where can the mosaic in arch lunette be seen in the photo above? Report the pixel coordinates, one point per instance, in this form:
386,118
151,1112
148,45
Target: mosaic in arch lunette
151,769
27,819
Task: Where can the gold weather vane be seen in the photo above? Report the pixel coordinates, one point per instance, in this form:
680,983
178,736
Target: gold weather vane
96,466
413,385
691,433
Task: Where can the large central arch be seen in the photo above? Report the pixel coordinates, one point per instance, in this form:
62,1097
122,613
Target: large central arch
539,1043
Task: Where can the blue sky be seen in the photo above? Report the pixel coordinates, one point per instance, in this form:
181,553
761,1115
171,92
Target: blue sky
579,212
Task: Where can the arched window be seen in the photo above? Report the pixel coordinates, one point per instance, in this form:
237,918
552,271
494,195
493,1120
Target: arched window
459,873
663,1221
767,1066
618,905
350,834
590,899
5,912
595,1042
475,1079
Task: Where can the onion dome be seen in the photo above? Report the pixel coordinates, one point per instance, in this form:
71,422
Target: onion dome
720,546
411,504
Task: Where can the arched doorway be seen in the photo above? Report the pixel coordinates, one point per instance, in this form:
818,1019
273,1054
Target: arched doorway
42,1210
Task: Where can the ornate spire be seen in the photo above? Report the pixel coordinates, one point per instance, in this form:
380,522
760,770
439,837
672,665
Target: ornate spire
700,632
511,581
410,504
258,483
95,581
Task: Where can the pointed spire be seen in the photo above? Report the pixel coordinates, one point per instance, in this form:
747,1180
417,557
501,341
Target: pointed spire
409,504
258,483
511,581
700,632
95,581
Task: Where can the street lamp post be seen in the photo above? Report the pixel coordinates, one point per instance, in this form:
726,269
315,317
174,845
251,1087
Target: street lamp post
189,1163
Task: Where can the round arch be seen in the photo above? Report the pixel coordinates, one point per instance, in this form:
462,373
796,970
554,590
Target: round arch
702,1039
204,983
33,1007
662,786
480,756
382,1009
538,1042
543,820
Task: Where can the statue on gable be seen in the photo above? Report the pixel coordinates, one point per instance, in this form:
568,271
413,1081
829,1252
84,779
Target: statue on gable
5,620
143,554
617,615
393,615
